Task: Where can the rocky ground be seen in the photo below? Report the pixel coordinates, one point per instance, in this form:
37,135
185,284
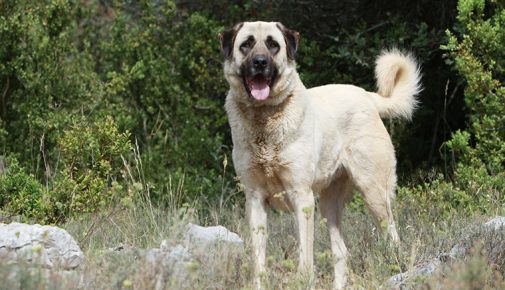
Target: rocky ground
53,253
31,254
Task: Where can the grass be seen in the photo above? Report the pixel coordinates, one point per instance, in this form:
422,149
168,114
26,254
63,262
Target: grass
372,261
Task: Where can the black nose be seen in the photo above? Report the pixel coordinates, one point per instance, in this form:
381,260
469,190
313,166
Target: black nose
260,61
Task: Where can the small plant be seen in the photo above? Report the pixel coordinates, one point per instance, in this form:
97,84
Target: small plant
91,156
21,193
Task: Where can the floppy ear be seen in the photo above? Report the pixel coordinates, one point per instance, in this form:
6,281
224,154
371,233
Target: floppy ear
227,38
291,37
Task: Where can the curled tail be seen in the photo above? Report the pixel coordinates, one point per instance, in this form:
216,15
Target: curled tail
398,82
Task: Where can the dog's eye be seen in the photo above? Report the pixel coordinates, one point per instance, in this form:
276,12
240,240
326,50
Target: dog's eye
272,45
247,45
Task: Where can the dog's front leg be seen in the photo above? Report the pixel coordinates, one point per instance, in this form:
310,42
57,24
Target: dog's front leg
303,205
257,216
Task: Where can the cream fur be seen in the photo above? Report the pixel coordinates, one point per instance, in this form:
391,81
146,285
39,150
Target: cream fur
398,81
326,140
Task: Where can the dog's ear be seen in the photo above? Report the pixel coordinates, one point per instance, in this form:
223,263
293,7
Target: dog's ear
291,37
227,38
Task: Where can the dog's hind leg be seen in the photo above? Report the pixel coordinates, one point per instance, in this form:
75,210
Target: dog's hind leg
372,168
331,203
377,196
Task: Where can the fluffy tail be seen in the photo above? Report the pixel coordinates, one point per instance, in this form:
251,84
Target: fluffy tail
398,82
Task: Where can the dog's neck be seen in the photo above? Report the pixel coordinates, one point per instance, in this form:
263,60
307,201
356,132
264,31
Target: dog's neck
276,123
291,84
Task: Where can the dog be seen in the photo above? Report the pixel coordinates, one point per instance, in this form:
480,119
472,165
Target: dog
291,143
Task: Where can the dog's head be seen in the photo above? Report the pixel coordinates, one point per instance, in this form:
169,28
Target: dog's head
259,60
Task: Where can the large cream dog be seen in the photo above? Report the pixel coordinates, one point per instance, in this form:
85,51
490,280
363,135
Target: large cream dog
291,142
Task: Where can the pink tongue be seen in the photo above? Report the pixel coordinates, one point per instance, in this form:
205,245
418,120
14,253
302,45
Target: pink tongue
260,90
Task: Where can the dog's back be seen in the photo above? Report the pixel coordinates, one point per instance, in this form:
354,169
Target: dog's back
398,82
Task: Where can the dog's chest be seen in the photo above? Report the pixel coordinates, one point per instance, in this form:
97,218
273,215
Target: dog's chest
267,131
265,155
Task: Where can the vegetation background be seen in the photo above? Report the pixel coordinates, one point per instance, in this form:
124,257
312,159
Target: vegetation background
108,104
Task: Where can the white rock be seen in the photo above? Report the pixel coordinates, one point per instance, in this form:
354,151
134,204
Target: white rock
180,252
497,223
422,270
48,246
168,257
396,280
205,238
170,264
457,252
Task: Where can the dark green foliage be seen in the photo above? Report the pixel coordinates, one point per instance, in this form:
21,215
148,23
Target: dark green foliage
77,75
45,81
92,157
477,50
169,75
477,180
44,78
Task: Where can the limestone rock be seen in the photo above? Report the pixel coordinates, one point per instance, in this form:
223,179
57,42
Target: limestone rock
48,246
171,263
492,232
202,239
496,224
397,281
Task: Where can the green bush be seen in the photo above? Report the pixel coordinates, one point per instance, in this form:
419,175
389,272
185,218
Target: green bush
476,49
92,160
45,79
477,180
169,73
21,193
157,72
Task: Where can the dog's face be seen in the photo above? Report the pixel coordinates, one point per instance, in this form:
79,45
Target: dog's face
259,60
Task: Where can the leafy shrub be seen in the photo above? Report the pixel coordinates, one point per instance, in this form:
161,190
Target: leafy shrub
92,161
157,72
477,182
477,51
21,193
45,79
92,154
167,68
438,198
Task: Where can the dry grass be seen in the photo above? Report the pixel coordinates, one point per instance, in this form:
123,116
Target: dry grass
371,260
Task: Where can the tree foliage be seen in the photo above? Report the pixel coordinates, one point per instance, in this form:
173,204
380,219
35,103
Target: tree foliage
477,49
76,78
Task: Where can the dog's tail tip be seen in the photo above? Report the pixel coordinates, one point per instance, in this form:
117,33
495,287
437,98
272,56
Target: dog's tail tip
398,81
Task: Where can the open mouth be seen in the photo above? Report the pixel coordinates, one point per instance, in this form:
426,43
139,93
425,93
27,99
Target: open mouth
259,87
